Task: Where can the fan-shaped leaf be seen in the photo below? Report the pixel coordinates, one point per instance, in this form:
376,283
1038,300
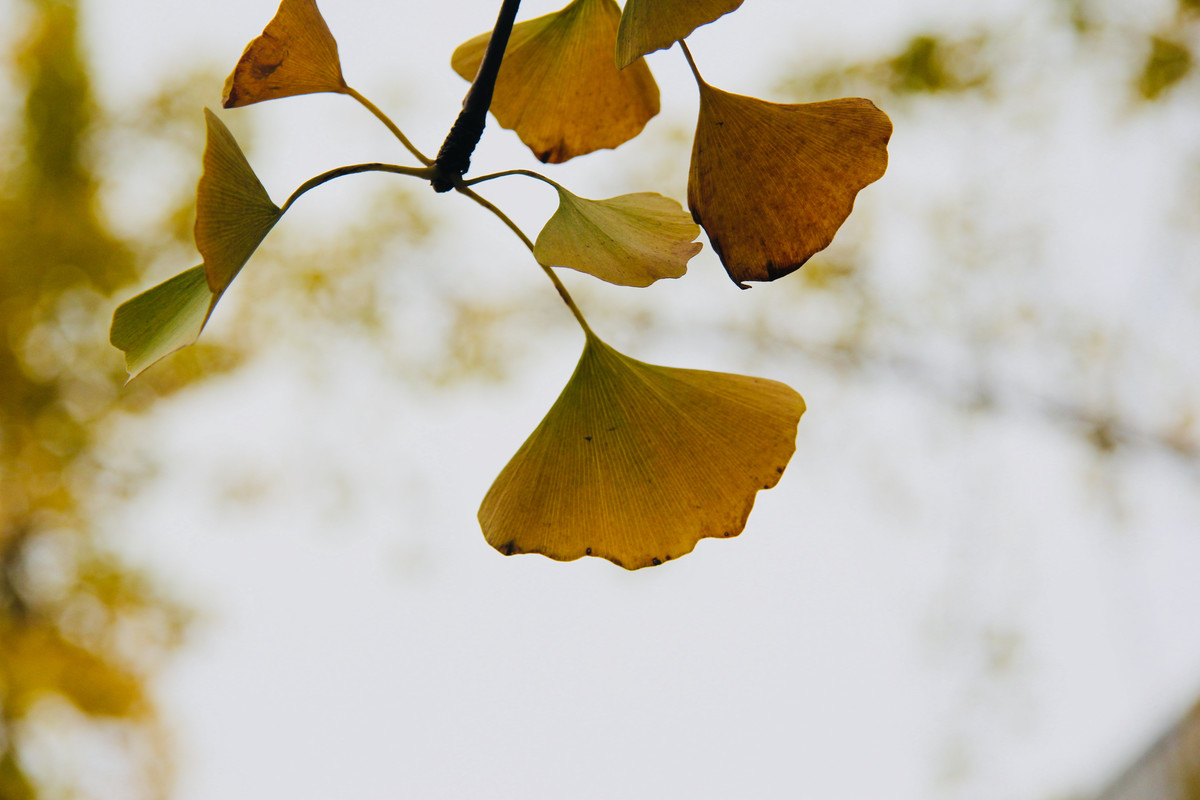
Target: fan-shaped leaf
631,240
296,54
636,463
163,319
772,183
233,211
649,25
558,87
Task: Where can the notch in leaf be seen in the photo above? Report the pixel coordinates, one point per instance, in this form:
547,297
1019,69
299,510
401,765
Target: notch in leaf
649,25
234,213
296,54
636,463
630,240
772,183
558,87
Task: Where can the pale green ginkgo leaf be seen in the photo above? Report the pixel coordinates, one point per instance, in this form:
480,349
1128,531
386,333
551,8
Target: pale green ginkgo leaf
636,463
234,213
630,240
163,319
649,25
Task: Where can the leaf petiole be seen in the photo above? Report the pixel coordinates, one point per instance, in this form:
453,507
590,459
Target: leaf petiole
558,284
391,126
425,173
691,62
506,173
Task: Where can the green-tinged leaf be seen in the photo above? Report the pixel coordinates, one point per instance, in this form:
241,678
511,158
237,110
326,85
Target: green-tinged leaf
635,463
296,54
233,210
163,319
772,183
631,240
558,87
649,25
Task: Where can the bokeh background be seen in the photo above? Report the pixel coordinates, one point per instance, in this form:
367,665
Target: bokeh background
255,571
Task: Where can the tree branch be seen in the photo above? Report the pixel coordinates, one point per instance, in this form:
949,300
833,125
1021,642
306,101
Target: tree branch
454,157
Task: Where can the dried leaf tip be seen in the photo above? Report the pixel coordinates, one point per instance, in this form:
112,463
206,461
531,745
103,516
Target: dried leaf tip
296,54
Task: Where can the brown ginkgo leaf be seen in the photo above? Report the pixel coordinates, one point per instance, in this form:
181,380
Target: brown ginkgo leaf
772,183
636,463
649,25
558,87
630,240
296,54
234,213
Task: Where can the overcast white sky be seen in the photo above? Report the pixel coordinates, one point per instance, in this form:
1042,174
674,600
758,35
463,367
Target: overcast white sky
932,603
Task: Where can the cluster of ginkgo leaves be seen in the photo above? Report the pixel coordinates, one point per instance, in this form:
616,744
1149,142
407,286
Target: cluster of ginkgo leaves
634,463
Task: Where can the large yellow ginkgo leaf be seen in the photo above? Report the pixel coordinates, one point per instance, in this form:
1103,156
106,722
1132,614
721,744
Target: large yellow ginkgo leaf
771,183
649,25
558,87
636,463
296,54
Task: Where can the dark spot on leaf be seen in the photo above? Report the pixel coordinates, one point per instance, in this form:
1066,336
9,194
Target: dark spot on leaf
779,470
766,486
588,438
666,558
509,548
589,551
727,534
655,562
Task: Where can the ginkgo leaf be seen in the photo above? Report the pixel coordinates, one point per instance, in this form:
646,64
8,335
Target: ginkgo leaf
558,87
631,240
636,463
649,25
233,211
772,183
296,54
163,319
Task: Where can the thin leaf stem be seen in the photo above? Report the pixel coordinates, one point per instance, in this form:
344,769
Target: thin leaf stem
391,126
417,172
526,172
691,62
558,284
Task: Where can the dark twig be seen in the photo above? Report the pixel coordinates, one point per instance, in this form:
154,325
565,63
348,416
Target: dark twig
454,158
